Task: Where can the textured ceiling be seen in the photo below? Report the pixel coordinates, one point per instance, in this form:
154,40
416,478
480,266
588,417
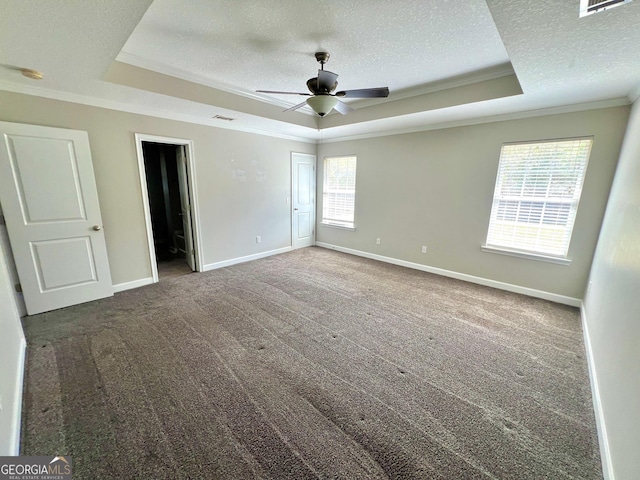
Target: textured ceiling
446,62
553,50
60,38
270,44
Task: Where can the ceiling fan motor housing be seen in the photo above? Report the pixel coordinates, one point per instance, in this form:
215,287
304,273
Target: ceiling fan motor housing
312,85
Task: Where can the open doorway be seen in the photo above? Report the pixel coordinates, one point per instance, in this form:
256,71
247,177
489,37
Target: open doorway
168,197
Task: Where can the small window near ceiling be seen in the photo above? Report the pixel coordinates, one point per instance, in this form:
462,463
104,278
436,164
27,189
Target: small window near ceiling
339,191
536,197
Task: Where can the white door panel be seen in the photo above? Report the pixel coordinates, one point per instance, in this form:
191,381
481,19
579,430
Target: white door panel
38,182
304,226
75,253
303,204
50,203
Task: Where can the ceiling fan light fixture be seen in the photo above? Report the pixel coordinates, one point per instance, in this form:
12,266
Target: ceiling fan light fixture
322,104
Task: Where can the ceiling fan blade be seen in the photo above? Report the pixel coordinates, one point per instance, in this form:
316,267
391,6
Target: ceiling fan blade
327,81
343,108
295,107
283,93
380,92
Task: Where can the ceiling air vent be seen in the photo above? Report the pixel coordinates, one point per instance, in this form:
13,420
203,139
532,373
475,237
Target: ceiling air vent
221,117
588,7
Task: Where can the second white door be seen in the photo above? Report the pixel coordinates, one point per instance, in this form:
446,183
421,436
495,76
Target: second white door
303,204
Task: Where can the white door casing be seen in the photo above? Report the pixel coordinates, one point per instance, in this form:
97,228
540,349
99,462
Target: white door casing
185,206
50,202
303,204
193,198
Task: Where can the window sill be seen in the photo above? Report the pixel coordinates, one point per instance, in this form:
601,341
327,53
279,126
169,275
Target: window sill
528,256
335,225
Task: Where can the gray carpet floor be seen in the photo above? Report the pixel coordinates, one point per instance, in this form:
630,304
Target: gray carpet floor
312,364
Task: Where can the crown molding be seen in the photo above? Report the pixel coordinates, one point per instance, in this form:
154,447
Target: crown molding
446,84
158,67
316,139
579,107
141,110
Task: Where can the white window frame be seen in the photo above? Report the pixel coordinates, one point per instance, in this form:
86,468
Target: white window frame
508,156
348,224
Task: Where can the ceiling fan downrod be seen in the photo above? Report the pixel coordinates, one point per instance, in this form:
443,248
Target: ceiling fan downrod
322,57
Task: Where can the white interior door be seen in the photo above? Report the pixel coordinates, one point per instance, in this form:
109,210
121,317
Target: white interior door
303,176
50,203
185,202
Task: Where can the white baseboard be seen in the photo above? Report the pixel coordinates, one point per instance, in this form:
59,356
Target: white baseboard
248,258
121,287
14,448
574,302
605,453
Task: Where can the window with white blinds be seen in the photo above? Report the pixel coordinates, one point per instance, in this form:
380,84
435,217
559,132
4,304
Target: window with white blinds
536,197
339,191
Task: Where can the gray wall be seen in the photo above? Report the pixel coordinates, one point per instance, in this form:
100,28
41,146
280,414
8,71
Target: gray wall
11,356
233,212
612,309
435,188
7,253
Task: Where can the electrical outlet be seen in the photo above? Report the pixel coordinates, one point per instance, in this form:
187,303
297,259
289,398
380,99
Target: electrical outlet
258,239
287,201
424,249
589,287
377,241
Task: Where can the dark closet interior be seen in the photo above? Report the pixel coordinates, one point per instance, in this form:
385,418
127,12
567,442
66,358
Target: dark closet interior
163,186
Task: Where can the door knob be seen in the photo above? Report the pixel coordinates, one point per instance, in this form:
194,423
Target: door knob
97,228
295,209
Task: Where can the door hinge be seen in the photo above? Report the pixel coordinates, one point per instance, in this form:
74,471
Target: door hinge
2,220
18,288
